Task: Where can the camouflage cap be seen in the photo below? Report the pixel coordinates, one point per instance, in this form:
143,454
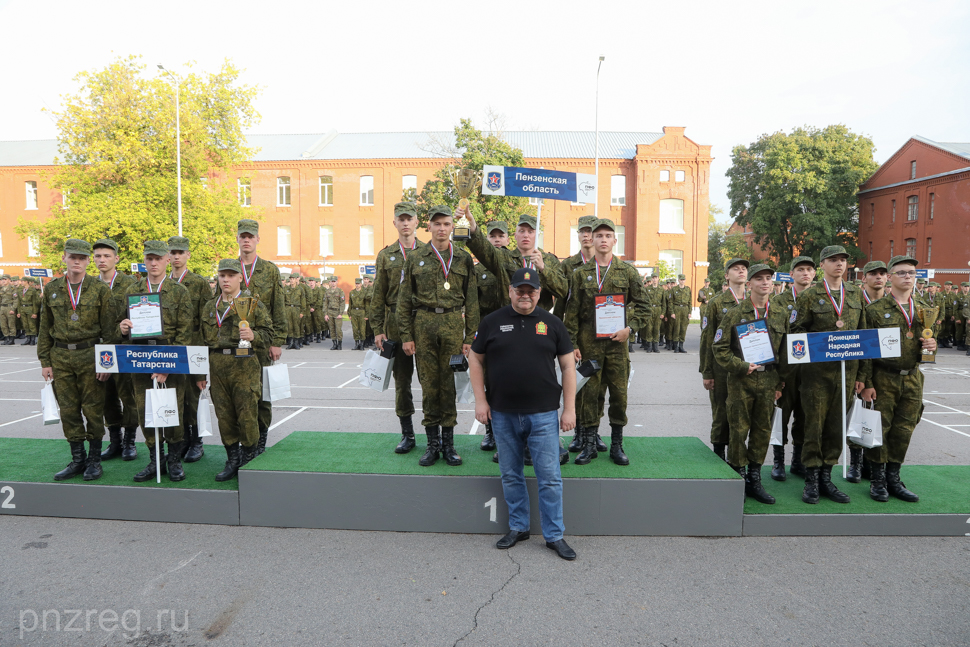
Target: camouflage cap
872,266
334,278
934,284
292,275
757,269
833,250
734,261
76,246
681,277
156,247
776,282
902,258
178,244
440,210
229,265
247,226
105,242
801,260
497,224
604,222
408,208
947,282
358,281
526,219
585,222
965,284
707,279
857,282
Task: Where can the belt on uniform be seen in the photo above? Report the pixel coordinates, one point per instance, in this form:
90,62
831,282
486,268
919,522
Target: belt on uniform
438,310
152,342
765,368
79,346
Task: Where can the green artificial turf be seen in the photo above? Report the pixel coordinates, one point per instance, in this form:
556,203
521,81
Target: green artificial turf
942,489
366,453
36,460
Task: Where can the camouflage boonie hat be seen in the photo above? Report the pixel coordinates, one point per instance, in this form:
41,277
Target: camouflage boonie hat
801,260
105,242
440,210
872,266
229,265
734,261
759,267
833,250
156,248
247,226
178,244
681,277
604,222
497,224
586,222
408,208
358,281
73,246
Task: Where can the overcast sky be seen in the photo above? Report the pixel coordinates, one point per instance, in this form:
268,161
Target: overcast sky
728,71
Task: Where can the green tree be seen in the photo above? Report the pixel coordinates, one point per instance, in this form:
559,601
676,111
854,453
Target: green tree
716,232
798,191
734,246
117,162
665,270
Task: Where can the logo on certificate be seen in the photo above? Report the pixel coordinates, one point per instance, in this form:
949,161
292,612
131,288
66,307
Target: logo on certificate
798,349
493,181
144,301
541,328
107,359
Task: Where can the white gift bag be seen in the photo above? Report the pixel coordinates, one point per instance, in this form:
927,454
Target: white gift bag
204,417
161,407
777,427
464,393
865,425
276,382
48,402
375,371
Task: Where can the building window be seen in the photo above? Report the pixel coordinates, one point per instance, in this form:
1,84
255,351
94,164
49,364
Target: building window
929,250
892,249
366,240
912,170
894,211
872,213
409,182
326,190
678,176
619,247
672,216
326,240
618,190
675,258
366,191
244,191
282,191
665,176
911,247
536,201
574,245
33,249
283,241
932,204
912,208
31,195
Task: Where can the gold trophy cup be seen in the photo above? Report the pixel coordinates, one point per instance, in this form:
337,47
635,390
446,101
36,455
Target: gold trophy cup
928,317
245,308
465,181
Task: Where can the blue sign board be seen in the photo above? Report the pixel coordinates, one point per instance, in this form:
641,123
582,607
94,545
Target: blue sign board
37,272
538,183
139,267
145,358
784,277
368,270
869,343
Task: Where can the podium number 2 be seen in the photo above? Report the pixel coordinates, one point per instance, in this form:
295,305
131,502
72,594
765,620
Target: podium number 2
491,504
6,489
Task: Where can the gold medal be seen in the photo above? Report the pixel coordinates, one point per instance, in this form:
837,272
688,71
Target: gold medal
447,285
839,323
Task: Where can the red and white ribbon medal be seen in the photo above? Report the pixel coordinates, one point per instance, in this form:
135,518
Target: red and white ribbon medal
736,299
179,279
221,317
600,280
248,276
838,306
445,268
908,316
404,253
149,281
756,315
75,299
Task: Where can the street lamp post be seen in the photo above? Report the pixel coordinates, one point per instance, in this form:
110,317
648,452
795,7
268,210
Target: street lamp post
178,143
596,204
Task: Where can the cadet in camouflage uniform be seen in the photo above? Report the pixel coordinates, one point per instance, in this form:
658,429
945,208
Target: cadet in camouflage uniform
120,409
830,306
177,320
715,378
318,314
75,315
306,321
946,314
356,310
705,294
439,280
752,388
678,310
385,319
28,310
664,319
920,294
335,309
654,298
262,279
295,301
603,274
368,290
199,293
895,385
961,327
584,231
8,310
235,386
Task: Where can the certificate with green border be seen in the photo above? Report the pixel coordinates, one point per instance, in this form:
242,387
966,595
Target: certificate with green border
145,313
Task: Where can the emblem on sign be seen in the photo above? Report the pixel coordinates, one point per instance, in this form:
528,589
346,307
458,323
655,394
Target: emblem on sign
493,181
106,359
798,349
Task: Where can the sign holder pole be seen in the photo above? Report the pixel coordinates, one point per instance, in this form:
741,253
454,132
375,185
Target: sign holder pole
158,450
535,244
845,449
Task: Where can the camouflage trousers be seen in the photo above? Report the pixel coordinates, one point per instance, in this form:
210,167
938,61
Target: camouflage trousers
319,325
614,374
899,398
959,331
190,400
265,408
78,392
28,324
8,322
141,382
357,323
822,403
120,409
665,327
236,392
403,369
436,338
678,325
720,430
791,410
307,323
336,326
293,328
750,404
652,331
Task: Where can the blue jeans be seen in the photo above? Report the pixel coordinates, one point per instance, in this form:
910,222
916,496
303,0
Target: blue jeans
541,431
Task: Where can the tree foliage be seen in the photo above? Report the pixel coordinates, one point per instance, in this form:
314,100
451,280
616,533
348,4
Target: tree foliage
666,270
798,191
716,232
117,162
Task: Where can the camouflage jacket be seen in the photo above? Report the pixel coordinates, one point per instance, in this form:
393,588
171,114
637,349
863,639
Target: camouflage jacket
177,317
94,323
199,293
886,313
423,287
621,278
355,300
264,284
226,335
334,304
711,316
727,347
387,283
678,297
489,298
568,266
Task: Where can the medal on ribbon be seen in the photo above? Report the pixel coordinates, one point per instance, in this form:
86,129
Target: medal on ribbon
248,275
75,299
601,280
445,268
838,306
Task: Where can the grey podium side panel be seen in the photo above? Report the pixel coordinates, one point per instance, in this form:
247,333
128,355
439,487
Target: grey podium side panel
872,525
120,502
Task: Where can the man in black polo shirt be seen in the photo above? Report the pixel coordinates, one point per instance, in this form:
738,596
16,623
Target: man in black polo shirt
519,342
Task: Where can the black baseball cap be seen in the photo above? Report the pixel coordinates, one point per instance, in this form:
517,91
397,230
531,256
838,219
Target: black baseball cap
525,276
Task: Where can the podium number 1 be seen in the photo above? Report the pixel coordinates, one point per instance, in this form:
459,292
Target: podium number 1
491,504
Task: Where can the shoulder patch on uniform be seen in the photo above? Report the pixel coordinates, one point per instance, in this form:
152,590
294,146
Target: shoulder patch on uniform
589,278
790,306
821,302
724,310
794,315
393,258
704,323
421,263
717,336
887,315
484,276
744,321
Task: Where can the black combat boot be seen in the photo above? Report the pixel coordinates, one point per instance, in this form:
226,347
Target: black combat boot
148,473
644,344
577,443
778,467
434,447
616,446
128,451
827,488
289,344
7,341
810,493
114,444
333,343
407,436
877,483
968,352
488,442
945,344
753,487
448,446
680,347
20,334
175,471
563,453
797,468
232,464
896,487
656,347
630,346
589,451
720,449
194,449
93,469
340,344
662,340
26,341
261,441
600,445
77,465
854,473
247,454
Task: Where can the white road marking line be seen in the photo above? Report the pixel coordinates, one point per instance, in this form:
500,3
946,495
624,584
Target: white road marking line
338,365
475,427
24,370
936,393
351,380
363,388
21,420
25,381
292,415
298,365
945,427
936,404
290,406
19,400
